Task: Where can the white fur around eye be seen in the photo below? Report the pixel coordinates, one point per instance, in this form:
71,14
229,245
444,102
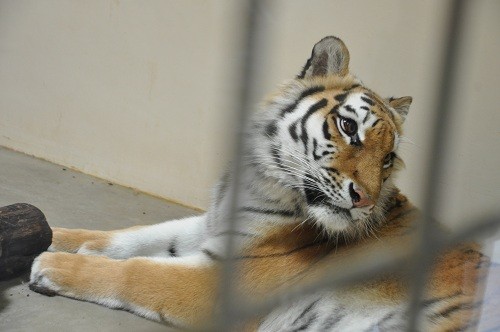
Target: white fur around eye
356,108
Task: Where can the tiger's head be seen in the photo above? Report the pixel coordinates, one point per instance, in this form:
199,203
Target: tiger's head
334,141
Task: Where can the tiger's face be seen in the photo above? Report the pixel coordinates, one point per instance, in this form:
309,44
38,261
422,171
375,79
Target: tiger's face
335,141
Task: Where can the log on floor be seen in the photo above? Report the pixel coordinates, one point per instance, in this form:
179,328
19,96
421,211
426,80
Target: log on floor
24,234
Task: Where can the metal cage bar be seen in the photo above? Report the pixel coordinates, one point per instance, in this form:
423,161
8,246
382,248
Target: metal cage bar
384,261
246,87
435,162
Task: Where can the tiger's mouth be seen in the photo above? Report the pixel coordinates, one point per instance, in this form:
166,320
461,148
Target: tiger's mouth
315,197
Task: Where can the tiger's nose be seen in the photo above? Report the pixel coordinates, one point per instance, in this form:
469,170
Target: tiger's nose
359,197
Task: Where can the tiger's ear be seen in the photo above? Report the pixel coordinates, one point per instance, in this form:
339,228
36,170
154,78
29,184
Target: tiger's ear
329,57
401,105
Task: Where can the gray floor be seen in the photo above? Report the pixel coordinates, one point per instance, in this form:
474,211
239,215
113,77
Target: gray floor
74,200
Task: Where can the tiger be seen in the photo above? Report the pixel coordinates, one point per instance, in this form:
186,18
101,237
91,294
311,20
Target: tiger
315,192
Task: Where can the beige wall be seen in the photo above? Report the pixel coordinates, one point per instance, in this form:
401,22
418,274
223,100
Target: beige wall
139,92
127,91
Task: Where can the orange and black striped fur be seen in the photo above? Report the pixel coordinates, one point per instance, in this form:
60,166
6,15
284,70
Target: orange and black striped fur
316,194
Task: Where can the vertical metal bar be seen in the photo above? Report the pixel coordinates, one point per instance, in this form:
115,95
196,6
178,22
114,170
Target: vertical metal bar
247,78
423,257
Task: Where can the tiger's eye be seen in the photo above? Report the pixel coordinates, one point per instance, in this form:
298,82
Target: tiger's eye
349,126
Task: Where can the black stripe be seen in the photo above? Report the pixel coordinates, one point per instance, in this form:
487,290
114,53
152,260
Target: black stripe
304,94
313,109
313,195
221,188
349,108
472,251
276,157
317,197
283,213
376,121
457,307
331,169
305,311
211,255
306,324
354,86
271,129
382,321
292,129
432,301
172,249
448,311
365,108
326,132
315,146
367,114
331,322
340,98
335,110
367,100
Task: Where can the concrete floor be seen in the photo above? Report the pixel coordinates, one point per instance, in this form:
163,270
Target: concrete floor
74,200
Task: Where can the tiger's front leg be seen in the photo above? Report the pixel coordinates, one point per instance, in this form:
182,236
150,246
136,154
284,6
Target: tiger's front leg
180,291
168,239
72,240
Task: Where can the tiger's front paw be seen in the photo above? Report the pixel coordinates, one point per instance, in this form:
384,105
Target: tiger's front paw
89,278
41,275
60,273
